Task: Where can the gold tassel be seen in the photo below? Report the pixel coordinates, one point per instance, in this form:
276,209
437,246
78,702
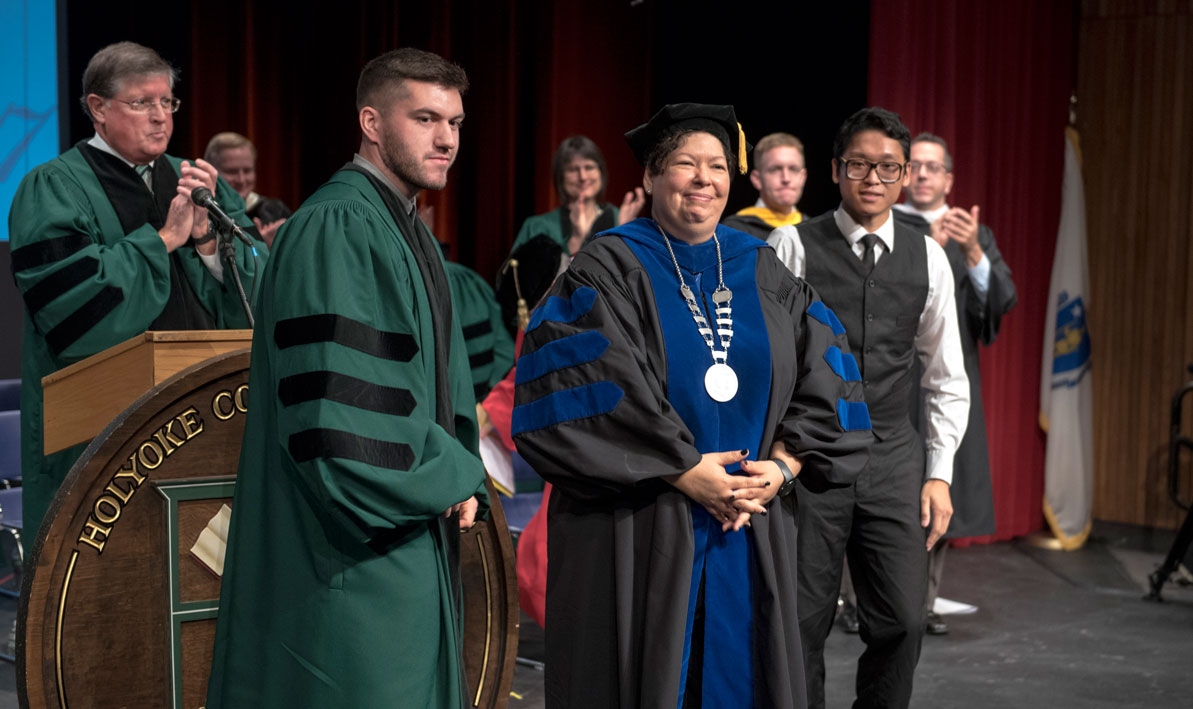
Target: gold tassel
523,315
742,167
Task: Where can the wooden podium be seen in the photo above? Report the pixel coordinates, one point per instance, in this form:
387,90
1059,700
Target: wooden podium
115,611
82,399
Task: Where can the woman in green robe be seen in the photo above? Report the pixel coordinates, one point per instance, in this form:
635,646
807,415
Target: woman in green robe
580,177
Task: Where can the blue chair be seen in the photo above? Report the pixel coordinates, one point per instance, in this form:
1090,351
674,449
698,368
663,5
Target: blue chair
10,394
528,495
519,509
12,553
10,448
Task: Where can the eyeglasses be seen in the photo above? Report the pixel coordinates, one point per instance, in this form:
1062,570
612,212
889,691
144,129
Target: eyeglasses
858,169
933,168
168,104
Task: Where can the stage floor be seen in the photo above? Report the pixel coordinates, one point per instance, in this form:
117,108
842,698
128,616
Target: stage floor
1053,629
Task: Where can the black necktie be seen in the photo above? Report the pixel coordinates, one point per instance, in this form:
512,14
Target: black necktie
868,257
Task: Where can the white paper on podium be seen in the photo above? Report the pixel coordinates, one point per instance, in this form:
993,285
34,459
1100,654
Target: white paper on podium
497,463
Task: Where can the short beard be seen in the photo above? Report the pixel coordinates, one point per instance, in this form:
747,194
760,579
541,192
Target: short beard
406,166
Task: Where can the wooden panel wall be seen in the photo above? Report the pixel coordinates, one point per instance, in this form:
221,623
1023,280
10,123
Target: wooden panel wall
1135,115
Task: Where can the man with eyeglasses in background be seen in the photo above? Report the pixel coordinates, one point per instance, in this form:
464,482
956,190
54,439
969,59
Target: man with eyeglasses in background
106,244
891,290
985,292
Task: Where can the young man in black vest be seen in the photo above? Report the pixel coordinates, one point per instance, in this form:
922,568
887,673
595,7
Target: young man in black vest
892,290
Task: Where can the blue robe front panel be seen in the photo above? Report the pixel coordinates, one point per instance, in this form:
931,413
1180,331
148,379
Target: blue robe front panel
724,560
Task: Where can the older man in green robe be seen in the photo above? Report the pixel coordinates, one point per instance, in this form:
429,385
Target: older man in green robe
107,244
359,461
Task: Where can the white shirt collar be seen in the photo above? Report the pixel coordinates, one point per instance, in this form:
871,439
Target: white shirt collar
929,216
100,144
854,232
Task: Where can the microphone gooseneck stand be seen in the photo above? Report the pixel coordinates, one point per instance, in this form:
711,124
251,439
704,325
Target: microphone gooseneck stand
227,228
228,251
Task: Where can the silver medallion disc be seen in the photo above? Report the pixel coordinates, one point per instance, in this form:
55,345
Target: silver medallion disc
720,381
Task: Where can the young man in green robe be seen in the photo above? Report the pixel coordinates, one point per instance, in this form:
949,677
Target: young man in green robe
107,244
359,462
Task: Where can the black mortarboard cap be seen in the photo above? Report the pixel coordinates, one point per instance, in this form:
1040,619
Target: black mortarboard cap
720,121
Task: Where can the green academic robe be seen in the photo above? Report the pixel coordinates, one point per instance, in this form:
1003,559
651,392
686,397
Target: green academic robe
88,285
490,347
337,587
556,225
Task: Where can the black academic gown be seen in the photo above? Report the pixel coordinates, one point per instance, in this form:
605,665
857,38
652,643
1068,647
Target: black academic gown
971,491
621,539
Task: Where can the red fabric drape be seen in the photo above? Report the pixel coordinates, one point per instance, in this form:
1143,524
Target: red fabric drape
539,72
993,79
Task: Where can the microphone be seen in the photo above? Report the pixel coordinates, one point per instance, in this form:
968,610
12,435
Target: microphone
203,197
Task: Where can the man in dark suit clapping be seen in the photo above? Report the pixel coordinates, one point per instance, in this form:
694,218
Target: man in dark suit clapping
984,294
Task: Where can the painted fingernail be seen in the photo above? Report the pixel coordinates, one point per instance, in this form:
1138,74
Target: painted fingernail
764,513
767,484
745,451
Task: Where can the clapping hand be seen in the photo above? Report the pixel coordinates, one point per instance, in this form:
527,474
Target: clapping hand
200,174
962,227
268,231
631,206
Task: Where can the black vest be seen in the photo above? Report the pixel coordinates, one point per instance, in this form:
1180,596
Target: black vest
880,313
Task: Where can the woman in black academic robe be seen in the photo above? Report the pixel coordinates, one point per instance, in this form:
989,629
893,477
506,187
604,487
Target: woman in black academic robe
671,423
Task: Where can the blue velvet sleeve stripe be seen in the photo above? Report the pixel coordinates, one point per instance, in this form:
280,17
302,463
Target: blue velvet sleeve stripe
843,364
562,353
821,312
567,405
557,309
853,415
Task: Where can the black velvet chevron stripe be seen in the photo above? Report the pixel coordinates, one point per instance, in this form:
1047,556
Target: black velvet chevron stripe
785,288
59,282
67,332
48,251
329,443
309,329
480,390
475,330
480,359
347,390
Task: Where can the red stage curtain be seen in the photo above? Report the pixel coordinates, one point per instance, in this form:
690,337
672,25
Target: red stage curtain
539,72
993,79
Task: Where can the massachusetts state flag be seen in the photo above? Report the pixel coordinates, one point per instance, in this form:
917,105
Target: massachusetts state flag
1066,394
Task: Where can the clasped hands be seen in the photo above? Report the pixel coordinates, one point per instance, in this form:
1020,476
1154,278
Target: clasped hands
733,499
186,220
